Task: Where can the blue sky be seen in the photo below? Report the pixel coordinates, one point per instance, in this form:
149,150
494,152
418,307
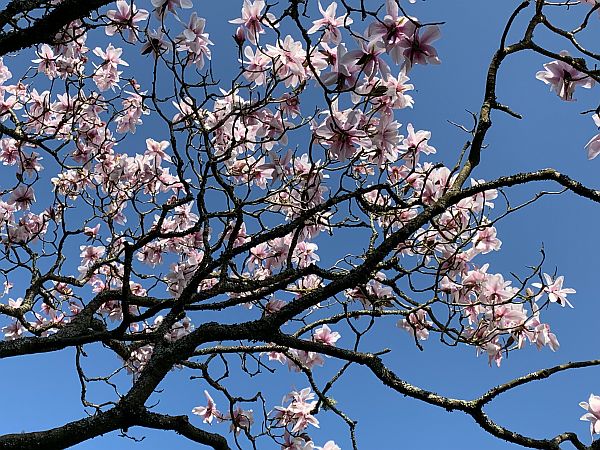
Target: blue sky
42,391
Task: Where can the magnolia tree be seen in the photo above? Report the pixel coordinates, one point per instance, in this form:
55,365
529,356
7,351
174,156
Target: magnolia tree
263,221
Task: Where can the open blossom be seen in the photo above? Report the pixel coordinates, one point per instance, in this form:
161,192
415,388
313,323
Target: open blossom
324,335
5,74
343,70
22,197
416,324
563,78
307,359
418,49
208,412
241,420
395,94
107,74
369,58
90,254
162,6
13,331
46,61
253,19
195,41
330,24
305,253
299,412
341,133
556,293
156,43
296,442
416,142
112,56
392,30
156,150
125,17
257,63
486,240
289,57
542,336
592,406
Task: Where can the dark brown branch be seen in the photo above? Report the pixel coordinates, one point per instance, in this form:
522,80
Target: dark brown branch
45,28
181,425
65,436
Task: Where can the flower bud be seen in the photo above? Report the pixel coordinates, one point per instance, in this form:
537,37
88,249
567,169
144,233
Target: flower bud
240,36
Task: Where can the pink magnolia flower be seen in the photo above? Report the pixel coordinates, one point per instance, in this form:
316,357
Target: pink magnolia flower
241,420
162,6
22,197
156,150
416,324
257,63
208,412
324,335
486,240
299,412
307,359
305,254
125,18
252,19
395,94
369,58
195,41
46,61
592,406
330,23
156,43
385,139
106,78
274,305
290,105
180,329
556,293
542,336
30,163
593,145
563,78
494,352
416,143
111,57
5,74
296,442
344,72
330,445
418,49
91,232
288,56
392,29
15,303
90,254
496,290
13,331
341,133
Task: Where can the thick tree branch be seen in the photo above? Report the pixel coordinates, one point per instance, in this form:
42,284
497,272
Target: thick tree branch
67,435
45,28
181,425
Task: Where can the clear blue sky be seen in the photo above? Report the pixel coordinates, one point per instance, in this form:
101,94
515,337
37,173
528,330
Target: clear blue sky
42,391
